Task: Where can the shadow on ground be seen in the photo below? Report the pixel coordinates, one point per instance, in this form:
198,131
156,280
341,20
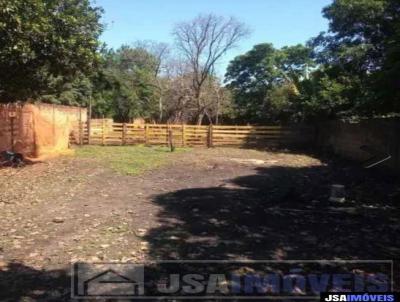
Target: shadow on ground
282,213
23,283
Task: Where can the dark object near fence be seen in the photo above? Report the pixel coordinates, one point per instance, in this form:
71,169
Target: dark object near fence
9,158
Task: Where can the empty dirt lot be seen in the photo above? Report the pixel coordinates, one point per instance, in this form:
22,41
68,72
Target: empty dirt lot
201,204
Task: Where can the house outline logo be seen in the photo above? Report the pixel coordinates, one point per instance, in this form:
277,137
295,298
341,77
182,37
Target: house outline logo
123,280
107,280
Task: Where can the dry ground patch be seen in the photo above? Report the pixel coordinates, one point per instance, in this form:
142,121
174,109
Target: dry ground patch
200,204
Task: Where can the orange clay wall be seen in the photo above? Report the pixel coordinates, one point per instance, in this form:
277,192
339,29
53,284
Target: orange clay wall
38,130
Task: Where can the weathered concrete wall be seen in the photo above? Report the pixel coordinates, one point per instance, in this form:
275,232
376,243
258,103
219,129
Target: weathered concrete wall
38,130
345,139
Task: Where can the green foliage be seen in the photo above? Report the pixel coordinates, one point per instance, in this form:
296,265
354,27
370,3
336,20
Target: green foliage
75,92
124,87
265,81
45,47
283,102
363,46
354,69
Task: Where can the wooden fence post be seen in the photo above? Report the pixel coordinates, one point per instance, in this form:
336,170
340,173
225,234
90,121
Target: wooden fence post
170,139
124,133
167,134
210,136
146,130
80,133
89,120
103,132
183,136
89,127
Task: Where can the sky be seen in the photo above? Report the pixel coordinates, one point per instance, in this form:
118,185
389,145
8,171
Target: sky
280,22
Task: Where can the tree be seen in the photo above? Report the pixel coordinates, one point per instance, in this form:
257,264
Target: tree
203,41
180,105
363,44
125,87
353,69
46,44
265,81
218,101
160,52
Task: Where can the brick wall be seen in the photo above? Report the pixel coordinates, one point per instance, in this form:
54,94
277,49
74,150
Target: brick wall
37,130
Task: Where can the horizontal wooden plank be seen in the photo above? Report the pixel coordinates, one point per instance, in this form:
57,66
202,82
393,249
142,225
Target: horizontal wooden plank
135,127
196,127
197,132
247,127
157,132
133,135
250,136
257,131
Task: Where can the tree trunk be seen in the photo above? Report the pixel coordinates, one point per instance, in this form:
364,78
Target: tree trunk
217,112
200,118
160,104
200,114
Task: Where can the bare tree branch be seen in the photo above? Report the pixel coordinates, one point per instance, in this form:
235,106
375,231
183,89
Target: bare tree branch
203,41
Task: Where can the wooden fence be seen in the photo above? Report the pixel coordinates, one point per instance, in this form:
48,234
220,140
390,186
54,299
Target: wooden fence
104,132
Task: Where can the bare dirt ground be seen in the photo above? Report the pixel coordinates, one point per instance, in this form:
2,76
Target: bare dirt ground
206,204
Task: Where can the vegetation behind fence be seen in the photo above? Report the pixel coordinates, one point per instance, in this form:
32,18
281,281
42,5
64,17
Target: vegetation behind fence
106,132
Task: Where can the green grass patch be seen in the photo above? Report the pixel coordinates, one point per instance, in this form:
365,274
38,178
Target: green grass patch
130,160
